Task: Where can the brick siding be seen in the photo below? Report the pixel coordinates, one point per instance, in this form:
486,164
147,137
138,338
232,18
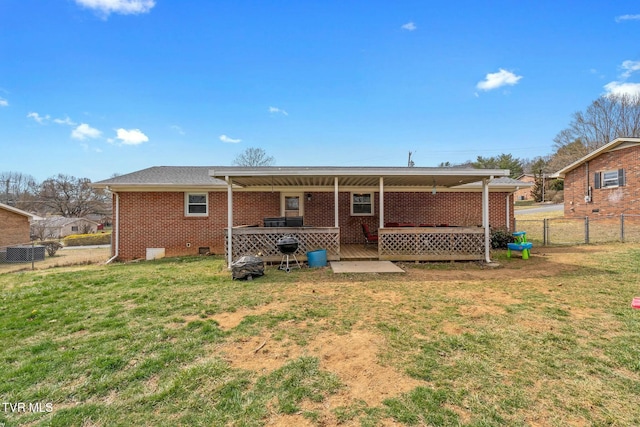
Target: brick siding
604,201
14,228
525,193
157,220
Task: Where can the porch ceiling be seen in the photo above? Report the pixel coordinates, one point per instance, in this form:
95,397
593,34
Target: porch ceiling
353,176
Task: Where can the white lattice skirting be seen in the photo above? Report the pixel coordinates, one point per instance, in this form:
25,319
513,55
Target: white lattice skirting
431,244
262,241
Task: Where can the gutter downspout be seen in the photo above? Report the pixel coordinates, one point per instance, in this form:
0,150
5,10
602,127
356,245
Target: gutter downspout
116,223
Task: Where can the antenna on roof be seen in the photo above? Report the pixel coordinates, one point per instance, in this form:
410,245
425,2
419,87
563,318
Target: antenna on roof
410,163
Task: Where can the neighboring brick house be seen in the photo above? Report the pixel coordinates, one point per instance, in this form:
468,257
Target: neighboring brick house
605,182
185,209
525,193
14,226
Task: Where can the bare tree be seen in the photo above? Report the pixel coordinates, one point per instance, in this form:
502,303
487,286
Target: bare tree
607,118
17,189
72,197
254,157
567,154
42,229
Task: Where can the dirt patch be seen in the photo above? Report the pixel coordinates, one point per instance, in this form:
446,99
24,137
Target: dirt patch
352,357
279,420
233,319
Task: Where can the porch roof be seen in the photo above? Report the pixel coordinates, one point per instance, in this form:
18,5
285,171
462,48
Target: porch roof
353,176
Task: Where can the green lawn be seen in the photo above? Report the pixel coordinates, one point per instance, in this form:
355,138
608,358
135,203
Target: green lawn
551,341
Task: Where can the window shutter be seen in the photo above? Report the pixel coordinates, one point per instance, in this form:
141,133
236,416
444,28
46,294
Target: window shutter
596,180
621,177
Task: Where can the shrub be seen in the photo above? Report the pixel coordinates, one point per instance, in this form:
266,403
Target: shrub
87,239
51,246
500,238
558,197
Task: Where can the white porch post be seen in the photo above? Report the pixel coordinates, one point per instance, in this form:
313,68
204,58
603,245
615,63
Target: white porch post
229,220
381,225
336,211
485,220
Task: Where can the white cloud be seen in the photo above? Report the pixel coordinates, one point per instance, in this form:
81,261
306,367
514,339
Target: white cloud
178,129
622,18
622,88
84,131
228,140
276,110
409,26
38,118
65,121
629,68
123,7
4,102
499,79
131,136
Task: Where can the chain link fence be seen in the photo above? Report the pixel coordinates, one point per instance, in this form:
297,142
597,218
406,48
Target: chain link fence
22,253
572,231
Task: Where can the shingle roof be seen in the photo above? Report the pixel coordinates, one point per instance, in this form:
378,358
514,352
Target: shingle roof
199,176
165,175
61,221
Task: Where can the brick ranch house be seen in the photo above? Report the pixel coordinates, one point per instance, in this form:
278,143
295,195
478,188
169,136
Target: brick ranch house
14,226
525,192
191,210
605,182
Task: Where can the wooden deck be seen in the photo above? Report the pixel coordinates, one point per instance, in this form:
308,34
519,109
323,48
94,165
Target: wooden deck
358,252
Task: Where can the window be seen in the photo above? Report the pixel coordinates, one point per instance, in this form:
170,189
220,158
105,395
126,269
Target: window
196,204
74,228
362,204
610,178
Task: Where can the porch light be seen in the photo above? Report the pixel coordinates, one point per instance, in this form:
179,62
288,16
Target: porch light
308,197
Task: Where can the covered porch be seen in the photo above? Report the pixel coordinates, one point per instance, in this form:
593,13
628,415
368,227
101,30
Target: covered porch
421,242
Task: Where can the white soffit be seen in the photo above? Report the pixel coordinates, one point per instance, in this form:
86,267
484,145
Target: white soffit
353,176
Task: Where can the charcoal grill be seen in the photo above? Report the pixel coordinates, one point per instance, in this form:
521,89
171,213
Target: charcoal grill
287,245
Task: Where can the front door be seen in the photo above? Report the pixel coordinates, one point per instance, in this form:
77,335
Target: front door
292,204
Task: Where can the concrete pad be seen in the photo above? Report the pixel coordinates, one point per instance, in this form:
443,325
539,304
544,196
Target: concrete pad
365,267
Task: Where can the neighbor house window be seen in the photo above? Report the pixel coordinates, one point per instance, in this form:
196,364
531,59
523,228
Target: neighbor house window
74,228
196,204
610,178
362,204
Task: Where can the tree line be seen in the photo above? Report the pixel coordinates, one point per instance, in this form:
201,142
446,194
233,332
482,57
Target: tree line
61,194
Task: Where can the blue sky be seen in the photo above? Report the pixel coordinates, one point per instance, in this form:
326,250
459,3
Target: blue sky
95,87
